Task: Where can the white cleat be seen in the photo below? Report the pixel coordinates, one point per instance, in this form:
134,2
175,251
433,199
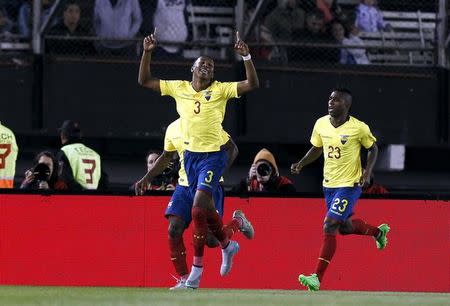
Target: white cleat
227,257
181,284
247,228
193,281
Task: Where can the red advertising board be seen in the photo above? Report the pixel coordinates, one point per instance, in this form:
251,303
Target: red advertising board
122,241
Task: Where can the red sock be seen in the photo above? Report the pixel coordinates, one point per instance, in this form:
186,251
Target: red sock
362,228
215,225
178,255
231,228
200,229
326,254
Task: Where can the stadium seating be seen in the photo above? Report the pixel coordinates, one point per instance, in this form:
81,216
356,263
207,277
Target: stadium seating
410,41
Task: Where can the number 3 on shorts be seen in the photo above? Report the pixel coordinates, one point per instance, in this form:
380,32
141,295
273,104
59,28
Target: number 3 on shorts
209,178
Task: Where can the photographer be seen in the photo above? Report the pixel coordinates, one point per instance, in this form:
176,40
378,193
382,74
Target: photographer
44,174
167,179
264,175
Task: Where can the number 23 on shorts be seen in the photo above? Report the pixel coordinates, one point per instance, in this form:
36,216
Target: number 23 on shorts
339,205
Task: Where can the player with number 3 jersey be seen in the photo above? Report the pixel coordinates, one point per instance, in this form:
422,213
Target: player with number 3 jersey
201,105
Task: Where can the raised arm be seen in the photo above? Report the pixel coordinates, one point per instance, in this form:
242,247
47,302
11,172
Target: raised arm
313,154
252,81
158,167
372,154
145,78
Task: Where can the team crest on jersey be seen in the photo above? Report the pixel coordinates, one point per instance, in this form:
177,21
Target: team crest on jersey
208,95
344,139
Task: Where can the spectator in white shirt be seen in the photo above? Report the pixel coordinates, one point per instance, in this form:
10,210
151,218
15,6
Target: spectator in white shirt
349,55
369,17
117,19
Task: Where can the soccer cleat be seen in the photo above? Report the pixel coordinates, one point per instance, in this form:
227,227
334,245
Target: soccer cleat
227,257
311,282
246,228
181,284
193,281
381,240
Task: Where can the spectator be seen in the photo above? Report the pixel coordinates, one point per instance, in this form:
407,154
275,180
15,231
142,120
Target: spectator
25,16
285,21
260,34
167,180
117,19
369,18
69,26
264,175
330,9
6,25
43,174
79,166
170,21
349,55
314,32
8,157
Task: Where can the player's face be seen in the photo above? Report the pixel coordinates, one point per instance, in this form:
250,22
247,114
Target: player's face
151,159
338,104
204,68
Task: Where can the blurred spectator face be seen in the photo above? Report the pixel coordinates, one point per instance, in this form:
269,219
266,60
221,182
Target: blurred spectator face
354,30
329,3
337,30
151,158
292,4
2,18
48,161
72,14
369,2
314,24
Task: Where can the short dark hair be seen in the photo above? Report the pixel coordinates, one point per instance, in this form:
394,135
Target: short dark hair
70,129
344,90
69,3
316,13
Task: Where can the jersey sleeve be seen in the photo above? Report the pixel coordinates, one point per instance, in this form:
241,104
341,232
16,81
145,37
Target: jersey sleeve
229,90
316,140
366,137
168,87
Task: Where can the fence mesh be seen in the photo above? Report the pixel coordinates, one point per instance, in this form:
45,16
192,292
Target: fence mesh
286,32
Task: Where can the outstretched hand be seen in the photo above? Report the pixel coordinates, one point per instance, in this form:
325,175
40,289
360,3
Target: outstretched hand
240,46
150,43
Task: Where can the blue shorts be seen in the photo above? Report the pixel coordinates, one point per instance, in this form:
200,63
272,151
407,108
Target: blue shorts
204,169
340,201
180,204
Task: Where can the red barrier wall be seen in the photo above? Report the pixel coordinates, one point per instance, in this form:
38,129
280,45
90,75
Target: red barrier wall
122,241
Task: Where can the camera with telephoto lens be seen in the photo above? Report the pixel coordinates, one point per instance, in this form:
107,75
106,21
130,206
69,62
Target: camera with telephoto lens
264,169
41,172
167,176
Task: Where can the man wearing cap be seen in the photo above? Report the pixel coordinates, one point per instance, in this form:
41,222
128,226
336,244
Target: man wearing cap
264,175
8,157
80,166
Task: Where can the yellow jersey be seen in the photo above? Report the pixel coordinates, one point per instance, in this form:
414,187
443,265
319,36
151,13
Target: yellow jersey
8,157
341,150
201,113
173,142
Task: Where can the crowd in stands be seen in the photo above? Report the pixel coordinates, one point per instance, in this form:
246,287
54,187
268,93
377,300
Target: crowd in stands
299,30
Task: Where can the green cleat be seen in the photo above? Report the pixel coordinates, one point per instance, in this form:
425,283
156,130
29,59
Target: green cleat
312,281
381,240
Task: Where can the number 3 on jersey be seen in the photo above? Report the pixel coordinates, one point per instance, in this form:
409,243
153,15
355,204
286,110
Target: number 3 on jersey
197,107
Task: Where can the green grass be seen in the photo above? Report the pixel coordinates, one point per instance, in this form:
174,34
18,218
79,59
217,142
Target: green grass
90,296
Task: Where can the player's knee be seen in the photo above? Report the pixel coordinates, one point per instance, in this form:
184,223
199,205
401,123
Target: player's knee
198,213
175,230
211,241
330,227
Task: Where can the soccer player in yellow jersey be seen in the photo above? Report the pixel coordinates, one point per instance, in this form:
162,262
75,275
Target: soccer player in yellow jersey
178,211
340,137
201,105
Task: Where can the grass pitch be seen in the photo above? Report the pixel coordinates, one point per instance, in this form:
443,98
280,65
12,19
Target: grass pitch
90,296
